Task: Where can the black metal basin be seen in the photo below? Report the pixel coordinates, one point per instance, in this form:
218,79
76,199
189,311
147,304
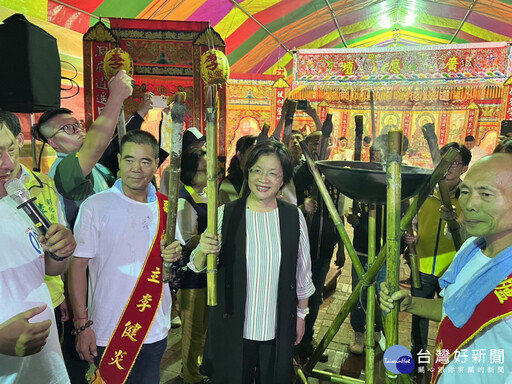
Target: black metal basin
366,182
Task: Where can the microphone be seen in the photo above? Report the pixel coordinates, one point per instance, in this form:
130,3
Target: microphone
21,196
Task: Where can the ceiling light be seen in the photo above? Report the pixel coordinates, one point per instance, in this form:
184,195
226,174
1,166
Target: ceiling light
409,19
385,22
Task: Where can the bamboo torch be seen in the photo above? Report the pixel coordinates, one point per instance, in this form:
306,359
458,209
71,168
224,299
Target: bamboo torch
288,122
413,258
212,180
394,191
178,113
430,135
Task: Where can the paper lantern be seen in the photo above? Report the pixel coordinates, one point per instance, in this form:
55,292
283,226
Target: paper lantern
214,67
115,60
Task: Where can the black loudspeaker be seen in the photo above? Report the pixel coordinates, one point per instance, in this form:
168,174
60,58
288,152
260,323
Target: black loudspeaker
506,128
29,68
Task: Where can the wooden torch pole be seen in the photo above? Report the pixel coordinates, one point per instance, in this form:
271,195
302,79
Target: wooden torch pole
178,113
370,299
394,191
211,185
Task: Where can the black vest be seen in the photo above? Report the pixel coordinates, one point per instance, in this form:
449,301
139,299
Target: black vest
224,344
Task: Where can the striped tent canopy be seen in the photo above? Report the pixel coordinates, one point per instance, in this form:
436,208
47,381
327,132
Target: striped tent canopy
261,34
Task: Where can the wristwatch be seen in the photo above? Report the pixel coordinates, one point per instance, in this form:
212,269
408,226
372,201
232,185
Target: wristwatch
302,312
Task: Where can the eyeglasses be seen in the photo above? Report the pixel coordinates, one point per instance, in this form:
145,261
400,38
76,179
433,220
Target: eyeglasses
457,164
272,175
70,129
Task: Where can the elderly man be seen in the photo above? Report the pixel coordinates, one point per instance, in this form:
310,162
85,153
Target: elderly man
474,310
29,345
75,170
119,234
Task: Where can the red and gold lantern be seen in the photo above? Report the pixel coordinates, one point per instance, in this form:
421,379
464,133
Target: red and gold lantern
214,67
115,60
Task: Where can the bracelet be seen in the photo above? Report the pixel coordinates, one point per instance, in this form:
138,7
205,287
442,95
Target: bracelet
76,331
55,257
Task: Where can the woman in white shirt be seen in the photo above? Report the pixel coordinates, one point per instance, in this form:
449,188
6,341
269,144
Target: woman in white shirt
264,277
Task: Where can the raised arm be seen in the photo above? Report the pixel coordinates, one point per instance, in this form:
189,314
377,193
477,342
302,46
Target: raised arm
100,132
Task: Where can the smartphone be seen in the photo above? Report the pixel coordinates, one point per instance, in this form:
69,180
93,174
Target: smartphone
160,101
302,105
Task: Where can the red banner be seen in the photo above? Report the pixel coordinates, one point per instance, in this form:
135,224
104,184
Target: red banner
344,124
280,98
403,64
323,109
99,82
508,110
471,125
407,124
442,130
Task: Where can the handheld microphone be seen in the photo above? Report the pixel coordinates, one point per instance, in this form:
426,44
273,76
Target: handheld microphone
21,196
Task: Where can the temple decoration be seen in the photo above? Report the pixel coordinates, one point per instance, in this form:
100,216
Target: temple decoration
214,67
117,59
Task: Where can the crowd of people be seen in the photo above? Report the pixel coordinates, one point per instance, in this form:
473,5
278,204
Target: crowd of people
274,246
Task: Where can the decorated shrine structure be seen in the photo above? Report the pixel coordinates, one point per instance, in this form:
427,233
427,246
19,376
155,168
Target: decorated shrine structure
166,58
252,100
462,89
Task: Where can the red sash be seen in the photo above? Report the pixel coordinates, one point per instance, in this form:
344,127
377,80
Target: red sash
139,313
494,307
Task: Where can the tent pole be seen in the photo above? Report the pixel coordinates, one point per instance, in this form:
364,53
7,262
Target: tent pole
463,21
336,23
262,26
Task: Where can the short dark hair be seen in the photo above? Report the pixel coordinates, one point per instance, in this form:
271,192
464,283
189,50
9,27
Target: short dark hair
367,139
242,145
272,147
469,138
297,132
465,153
342,138
11,121
140,137
45,117
189,163
504,146
312,135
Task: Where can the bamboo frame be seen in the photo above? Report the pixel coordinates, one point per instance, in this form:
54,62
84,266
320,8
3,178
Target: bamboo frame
370,300
332,211
211,185
368,277
394,191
